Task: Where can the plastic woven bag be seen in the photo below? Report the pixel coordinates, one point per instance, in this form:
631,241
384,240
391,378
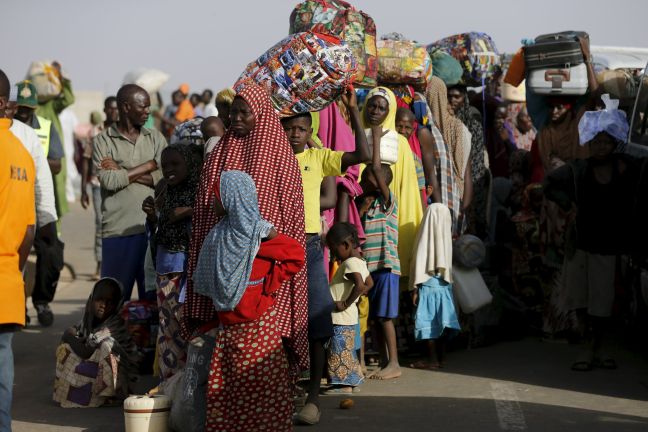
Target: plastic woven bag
189,401
403,62
304,72
340,19
46,80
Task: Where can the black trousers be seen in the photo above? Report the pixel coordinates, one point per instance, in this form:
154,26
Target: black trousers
49,263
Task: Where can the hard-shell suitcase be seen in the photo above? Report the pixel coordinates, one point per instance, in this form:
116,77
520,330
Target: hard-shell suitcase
555,50
570,81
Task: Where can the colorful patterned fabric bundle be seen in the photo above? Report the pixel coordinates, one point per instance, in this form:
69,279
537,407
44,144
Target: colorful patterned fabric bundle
340,19
304,72
403,62
475,51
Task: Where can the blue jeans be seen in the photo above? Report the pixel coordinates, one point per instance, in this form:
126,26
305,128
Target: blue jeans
123,259
6,380
320,301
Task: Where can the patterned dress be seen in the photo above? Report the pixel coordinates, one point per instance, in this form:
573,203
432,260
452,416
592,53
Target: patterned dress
266,155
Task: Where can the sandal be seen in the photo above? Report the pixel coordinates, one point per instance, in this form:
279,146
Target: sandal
338,391
582,366
309,415
604,363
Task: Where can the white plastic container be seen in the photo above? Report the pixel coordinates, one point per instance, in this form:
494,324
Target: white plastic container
470,290
565,81
388,146
147,413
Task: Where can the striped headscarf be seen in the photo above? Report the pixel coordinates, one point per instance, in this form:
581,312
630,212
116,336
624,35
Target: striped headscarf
451,127
267,157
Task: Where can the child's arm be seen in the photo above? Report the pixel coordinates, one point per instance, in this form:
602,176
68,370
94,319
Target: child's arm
361,287
361,153
79,348
376,168
180,213
328,194
148,206
429,164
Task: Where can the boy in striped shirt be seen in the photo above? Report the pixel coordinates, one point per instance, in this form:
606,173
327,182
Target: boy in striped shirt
379,212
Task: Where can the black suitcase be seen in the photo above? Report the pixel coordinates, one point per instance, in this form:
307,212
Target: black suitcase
555,50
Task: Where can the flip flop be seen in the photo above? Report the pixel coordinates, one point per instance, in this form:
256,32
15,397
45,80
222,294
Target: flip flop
338,391
605,363
426,365
582,366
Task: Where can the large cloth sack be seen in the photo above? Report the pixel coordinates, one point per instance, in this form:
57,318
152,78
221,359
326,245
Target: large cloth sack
340,19
446,67
555,50
403,62
476,52
304,72
150,80
619,84
46,80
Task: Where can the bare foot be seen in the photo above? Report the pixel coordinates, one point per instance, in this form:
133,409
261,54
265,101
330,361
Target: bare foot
390,372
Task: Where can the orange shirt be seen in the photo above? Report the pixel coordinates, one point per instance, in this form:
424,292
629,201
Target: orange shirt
17,212
185,111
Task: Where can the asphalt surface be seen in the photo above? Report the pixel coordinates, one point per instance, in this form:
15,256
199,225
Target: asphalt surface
515,386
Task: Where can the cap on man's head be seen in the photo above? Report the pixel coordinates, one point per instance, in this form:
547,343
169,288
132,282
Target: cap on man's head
27,95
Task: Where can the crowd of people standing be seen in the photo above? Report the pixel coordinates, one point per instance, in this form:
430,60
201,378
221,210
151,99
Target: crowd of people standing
296,248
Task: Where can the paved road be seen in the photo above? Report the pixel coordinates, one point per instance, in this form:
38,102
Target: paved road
517,386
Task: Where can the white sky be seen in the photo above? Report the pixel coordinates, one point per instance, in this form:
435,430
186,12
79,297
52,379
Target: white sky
207,43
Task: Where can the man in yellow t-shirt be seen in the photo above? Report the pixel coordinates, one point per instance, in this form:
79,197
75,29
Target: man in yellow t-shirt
315,165
17,220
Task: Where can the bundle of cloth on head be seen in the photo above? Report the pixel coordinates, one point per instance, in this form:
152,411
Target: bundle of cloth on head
225,96
188,132
611,120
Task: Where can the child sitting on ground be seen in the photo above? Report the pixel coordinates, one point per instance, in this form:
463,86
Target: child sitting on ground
431,277
351,280
97,359
379,213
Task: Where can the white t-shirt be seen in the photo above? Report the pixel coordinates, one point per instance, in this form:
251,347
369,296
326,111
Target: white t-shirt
341,288
210,110
45,203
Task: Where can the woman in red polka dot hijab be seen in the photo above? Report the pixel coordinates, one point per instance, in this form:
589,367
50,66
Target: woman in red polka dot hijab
256,144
